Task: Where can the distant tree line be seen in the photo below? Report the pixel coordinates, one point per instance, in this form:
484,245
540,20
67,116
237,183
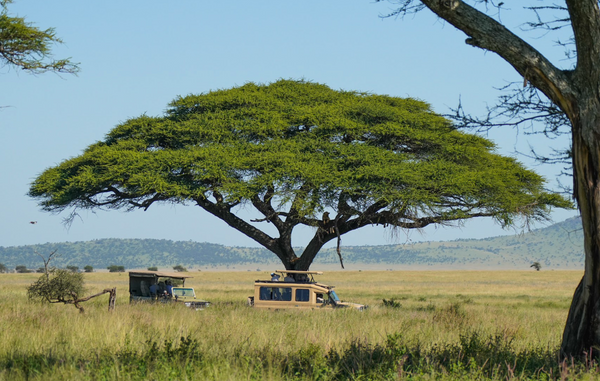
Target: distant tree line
555,246
116,269
22,269
127,252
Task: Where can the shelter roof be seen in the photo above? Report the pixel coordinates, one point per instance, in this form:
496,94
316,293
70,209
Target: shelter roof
299,272
159,274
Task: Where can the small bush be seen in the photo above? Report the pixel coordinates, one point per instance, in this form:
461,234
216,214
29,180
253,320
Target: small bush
452,315
60,286
391,303
179,268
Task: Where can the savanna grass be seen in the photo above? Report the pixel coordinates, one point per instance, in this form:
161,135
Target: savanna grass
441,325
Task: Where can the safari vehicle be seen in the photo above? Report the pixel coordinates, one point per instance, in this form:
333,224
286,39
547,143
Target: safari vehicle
151,286
296,289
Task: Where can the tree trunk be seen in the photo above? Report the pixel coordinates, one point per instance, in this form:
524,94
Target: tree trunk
292,262
320,238
582,330
287,256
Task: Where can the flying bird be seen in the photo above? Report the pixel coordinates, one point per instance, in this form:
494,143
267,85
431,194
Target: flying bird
33,222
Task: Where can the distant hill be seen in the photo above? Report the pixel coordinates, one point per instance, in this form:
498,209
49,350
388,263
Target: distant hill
559,246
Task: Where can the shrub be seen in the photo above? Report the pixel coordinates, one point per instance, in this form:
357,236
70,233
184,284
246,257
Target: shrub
391,303
179,268
61,286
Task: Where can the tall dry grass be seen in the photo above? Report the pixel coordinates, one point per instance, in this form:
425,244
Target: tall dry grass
432,312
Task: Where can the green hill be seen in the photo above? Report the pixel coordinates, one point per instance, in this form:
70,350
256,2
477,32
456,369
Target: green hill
558,246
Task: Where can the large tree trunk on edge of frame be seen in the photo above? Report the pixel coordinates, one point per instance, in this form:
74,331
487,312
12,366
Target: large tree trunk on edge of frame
582,330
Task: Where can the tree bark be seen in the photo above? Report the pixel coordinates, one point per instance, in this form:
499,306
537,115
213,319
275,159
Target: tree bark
582,329
111,301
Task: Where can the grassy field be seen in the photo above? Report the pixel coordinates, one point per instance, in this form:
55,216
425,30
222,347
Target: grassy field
438,325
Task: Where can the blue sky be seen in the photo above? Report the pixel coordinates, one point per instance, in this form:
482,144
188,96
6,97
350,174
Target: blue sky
136,56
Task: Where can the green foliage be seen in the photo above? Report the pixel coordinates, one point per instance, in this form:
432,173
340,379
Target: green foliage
88,269
61,286
293,150
116,269
179,268
3,268
22,269
303,142
152,268
73,268
28,48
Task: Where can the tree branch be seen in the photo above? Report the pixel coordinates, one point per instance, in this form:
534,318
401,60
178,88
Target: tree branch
267,210
486,33
240,225
585,21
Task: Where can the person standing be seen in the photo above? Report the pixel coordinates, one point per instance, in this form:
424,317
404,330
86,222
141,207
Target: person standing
169,288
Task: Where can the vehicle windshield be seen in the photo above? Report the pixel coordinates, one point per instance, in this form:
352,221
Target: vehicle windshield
180,291
334,296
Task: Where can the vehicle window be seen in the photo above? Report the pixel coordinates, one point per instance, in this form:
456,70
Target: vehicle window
302,295
286,294
265,293
334,296
275,293
183,292
323,299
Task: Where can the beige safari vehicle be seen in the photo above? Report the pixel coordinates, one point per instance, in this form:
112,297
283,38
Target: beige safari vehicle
296,289
152,286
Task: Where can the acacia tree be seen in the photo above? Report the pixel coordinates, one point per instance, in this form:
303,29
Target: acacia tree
28,48
65,286
573,100
299,153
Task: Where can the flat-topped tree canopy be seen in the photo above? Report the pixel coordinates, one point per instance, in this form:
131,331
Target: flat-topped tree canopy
299,153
